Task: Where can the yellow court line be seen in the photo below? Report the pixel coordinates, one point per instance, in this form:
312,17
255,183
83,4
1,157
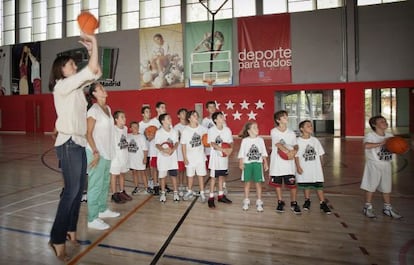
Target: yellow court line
107,233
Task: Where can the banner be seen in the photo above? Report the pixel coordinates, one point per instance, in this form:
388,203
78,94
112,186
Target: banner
161,56
264,51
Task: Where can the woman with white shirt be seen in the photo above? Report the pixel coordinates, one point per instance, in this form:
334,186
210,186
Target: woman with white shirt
67,85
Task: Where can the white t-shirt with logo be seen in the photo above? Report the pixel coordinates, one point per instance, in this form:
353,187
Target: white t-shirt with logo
121,147
137,144
217,161
309,153
166,162
179,128
279,166
380,153
103,131
191,138
252,150
207,123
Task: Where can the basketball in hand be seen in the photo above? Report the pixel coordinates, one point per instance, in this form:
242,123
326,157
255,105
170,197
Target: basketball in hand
225,146
87,22
397,145
150,131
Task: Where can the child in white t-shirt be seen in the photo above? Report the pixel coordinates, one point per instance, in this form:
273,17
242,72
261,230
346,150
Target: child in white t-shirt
218,135
252,161
283,170
308,160
119,164
193,153
137,157
166,142
179,128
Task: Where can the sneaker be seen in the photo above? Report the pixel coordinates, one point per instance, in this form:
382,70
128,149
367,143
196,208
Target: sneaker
157,190
202,197
151,183
150,191
295,207
389,211
167,189
181,193
325,208
125,196
176,197
259,205
225,188
98,224
280,207
135,191
162,197
84,197
307,204
246,204
211,203
223,199
369,211
117,198
108,214
188,195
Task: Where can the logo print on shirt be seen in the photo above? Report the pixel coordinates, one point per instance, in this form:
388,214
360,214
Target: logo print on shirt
210,124
253,153
218,140
195,140
310,153
133,146
123,143
384,154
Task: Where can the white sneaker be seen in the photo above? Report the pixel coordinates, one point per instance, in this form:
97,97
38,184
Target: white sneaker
246,203
98,224
202,197
369,211
259,205
188,195
162,197
84,197
176,197
108,214
388,211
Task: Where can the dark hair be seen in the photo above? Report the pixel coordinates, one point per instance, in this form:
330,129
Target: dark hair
117,113
189,113
89,96
278,115
302,123
162,117
158,35
56,72
244,132
373,121
133,122
144,108
158,104
210,103
182,110
215,114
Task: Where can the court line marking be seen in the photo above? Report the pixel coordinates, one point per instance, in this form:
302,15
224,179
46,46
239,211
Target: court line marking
75,259
29,198
28,207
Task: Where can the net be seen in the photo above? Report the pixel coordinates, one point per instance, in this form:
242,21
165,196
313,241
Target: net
209,78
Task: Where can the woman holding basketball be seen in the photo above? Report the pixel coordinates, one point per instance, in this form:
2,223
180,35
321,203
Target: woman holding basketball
67,85
377,171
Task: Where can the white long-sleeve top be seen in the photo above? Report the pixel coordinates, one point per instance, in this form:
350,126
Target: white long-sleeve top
70,105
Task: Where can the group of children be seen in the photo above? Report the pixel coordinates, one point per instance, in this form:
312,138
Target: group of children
178,152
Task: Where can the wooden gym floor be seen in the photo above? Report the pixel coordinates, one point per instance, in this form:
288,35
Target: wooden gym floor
149,232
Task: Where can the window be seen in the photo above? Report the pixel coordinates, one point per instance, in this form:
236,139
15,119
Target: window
170,12
150,13
374,2
73,8
39,20
283,6
107,16
8,20
198,12
244,8
54,19
130,14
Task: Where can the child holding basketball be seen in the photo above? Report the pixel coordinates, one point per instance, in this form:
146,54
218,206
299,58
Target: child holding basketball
193,154
377,171
282,169
137,156
252,161
166,142
308,160
219,135
179,128
119,164
143,125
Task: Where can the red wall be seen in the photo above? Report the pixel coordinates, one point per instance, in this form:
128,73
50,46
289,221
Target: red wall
18,112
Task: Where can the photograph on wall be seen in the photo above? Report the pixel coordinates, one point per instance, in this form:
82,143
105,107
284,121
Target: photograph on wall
161,57
208,53
26,69
264,55
4,87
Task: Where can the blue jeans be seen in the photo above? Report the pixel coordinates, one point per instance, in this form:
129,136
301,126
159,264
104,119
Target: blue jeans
73,163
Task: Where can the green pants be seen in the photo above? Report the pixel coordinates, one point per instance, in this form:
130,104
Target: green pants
98,186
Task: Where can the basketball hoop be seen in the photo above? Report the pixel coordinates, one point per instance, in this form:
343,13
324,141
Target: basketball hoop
209,83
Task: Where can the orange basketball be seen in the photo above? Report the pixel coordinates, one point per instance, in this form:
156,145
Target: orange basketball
397,145
225,146
150,131
87,22
204,140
